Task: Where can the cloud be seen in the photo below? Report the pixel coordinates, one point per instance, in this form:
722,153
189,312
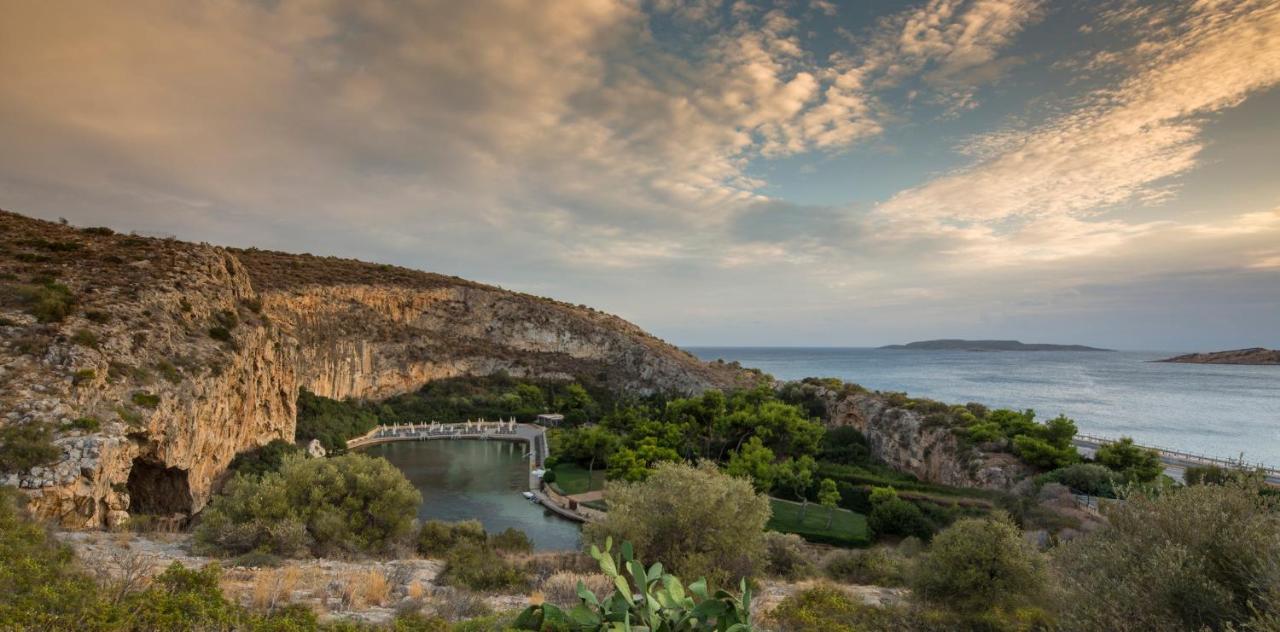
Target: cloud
599,149
1122,144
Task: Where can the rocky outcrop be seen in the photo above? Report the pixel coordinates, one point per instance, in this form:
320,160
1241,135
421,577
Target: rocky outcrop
176,356
906,441
1255,355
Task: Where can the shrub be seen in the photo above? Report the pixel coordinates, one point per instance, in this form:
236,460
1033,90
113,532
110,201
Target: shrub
699,521
226,319
787,556
331,421
476,566
264,458
873,566
24,446
1209,475
1135,463
1085,478
436,537
347,504
511,540
976,565
85,338
1193,558
893,516
183,599
145,399
826,608
41,587
87,424
549,476
128,416
49,303
219,333
169,372
83,375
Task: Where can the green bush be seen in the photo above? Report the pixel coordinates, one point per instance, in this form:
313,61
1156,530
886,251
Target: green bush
41,587
264,458
699,521
331,421
169,372
977,565
49,303
511,540
183,599
85,338
1193,558
341,505
437,537
548,476
476,566
145,399
24,446
875,566
87,424
893,516
787,556
220,333
1135,463
825,608
1085,478
83,375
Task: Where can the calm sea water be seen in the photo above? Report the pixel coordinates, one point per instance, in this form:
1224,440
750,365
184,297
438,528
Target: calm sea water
1218,410
482,480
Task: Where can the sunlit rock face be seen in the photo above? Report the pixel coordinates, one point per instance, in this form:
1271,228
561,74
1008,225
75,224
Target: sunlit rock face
186,354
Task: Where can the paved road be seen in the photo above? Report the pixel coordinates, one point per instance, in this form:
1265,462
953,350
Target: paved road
1175,463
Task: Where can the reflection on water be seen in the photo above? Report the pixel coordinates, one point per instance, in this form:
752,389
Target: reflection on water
461,480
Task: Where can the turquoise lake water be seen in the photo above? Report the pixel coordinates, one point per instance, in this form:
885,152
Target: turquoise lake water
1217,410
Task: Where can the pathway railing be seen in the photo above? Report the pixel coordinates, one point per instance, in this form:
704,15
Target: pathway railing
1187,458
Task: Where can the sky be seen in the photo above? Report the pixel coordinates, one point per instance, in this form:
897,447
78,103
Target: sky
803,172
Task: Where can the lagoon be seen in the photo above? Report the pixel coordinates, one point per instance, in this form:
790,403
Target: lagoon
482,480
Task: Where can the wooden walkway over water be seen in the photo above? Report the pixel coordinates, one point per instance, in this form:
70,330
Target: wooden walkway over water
534,436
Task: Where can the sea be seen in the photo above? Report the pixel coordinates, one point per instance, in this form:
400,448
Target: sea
1225,411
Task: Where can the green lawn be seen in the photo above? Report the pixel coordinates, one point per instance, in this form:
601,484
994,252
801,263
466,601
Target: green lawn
847,528
572,478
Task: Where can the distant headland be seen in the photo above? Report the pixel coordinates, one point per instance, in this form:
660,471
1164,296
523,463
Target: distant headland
1255,355
956,344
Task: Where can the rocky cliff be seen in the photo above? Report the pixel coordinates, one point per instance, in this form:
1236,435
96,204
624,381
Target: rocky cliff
157,361
906,441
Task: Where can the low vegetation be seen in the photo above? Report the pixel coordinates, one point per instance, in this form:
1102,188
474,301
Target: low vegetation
350,504
26,445
659,515
332,421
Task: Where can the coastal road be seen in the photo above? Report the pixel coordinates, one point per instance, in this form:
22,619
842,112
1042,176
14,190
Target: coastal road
1175,462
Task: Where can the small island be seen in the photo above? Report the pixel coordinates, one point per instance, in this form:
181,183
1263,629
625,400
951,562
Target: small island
1255,355
956,344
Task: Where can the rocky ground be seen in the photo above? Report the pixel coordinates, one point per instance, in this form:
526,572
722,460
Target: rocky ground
371,591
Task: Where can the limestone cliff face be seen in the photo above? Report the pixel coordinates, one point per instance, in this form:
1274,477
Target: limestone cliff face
177,356
902,439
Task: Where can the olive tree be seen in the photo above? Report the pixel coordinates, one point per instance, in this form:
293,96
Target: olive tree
696,520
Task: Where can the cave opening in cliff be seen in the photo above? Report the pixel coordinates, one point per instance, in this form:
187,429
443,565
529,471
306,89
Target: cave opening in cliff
158,490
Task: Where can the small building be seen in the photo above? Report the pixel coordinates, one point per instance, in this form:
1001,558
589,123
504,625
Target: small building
550,420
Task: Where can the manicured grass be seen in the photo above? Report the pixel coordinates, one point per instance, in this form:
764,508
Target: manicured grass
847,528
572,478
